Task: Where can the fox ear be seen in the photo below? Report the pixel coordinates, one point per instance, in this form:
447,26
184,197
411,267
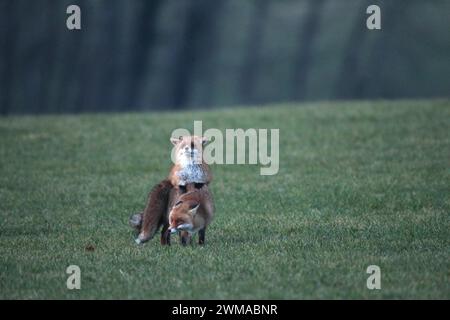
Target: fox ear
205,140
193,208
176,141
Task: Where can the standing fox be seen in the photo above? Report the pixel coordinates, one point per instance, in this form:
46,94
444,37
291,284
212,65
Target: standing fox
189,174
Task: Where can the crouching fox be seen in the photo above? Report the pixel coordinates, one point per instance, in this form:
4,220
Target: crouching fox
190,213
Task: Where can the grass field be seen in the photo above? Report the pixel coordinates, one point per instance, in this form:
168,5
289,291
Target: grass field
360,184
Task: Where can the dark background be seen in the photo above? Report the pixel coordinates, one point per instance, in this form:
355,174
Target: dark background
178,54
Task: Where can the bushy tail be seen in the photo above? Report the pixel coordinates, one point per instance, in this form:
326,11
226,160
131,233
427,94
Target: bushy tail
136,221
155,212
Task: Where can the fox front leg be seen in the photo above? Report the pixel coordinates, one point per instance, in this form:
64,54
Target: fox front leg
165,235
185,238
201,236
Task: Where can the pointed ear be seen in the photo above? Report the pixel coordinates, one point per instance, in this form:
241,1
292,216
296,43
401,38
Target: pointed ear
193,208
176,141
205,140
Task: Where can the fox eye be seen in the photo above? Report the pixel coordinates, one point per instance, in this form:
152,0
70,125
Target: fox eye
192,206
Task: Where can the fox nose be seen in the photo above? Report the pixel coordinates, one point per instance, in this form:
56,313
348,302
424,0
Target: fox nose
173,230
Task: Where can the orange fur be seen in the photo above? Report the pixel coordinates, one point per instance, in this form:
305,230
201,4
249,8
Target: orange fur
155,213
195,208
188,176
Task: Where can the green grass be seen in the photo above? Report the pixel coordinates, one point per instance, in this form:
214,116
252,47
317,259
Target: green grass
359,184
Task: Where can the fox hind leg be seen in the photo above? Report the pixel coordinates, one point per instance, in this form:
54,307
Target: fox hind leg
165,235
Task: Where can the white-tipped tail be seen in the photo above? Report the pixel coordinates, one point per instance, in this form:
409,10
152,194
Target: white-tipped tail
136,220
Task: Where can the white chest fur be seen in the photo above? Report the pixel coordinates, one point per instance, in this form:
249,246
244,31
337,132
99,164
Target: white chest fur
191,173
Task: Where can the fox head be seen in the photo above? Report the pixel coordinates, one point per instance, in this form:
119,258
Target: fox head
188,149
181,217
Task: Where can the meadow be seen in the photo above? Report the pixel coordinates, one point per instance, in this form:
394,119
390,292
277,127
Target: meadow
359,183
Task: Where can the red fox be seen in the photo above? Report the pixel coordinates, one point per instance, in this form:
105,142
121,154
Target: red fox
190,213
188,173
189,165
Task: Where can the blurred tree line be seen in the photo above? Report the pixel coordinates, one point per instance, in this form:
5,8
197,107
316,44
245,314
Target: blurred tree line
176,54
